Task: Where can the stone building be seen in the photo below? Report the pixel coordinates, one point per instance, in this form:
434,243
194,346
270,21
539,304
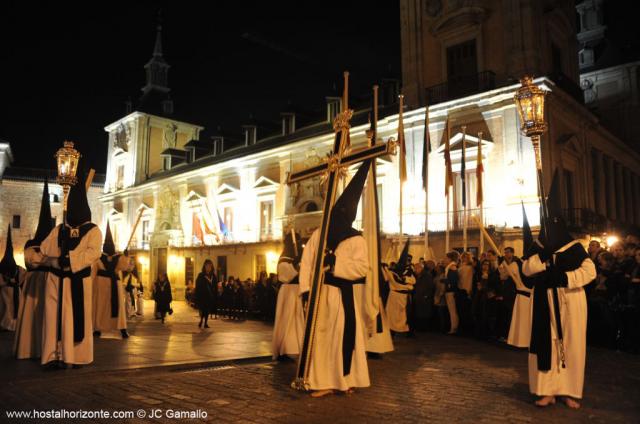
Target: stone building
20,194
196,197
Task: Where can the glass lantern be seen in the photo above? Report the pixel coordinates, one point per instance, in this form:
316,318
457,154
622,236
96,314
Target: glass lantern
530,104
67,158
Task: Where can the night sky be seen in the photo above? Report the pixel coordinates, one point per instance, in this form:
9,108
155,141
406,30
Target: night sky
67,69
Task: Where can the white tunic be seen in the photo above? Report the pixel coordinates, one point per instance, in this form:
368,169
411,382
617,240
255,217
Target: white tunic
84,255
7,320
288,329
28,338
397,302
102,320
326,370
378,342
567,381
520,329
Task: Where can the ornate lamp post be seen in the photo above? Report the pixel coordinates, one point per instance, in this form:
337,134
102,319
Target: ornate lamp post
67,158
529,101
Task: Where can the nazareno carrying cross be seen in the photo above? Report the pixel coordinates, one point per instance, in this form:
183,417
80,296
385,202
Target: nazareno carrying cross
333,169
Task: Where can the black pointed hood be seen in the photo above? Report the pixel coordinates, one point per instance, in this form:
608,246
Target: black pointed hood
289,250
45,223
8,264
346,207
401,265
557,232
527,236
78,211
108,248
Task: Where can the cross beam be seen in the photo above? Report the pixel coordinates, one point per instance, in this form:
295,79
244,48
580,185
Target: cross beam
357,156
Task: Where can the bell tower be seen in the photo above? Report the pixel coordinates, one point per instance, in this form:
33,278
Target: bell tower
157,69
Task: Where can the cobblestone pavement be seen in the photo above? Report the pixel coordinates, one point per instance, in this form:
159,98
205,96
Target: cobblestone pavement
432,378
153,344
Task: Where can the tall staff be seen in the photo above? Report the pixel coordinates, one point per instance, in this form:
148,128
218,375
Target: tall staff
426,150
448,178
463,177
403,158
480,190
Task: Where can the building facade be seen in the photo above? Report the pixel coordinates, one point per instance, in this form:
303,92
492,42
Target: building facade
194,199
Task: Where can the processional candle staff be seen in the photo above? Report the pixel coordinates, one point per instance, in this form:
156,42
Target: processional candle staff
67,158
529,100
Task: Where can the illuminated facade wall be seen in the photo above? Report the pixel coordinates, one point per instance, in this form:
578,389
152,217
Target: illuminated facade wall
240,191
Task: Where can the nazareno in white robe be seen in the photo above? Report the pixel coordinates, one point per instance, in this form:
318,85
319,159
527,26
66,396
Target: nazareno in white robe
376,342
326,371
84,255
567,381
520,329
288,329
102,319
27,342
8,318
397,301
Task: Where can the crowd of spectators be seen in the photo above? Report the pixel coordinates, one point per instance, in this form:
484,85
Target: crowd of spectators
484,295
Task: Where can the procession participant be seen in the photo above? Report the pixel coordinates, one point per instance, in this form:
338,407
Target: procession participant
11,280
28,338
206,292
520,330
401,281
109,310
562,268
338,358
288,329
68,322
451,279
132,290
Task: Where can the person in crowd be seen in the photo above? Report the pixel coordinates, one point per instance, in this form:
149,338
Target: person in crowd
451,280
594,249
206,293
439,300
162,296
422,296
465,290
483,307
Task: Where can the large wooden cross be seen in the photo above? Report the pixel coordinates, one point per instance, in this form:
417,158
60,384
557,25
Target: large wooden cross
336,162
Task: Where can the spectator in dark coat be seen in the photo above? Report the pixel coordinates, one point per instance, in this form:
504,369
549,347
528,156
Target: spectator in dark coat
206,293
162,296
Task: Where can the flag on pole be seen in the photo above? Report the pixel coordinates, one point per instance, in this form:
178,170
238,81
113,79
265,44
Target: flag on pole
401,142
479,172
448,178
463,167
223,228
426,150
197,229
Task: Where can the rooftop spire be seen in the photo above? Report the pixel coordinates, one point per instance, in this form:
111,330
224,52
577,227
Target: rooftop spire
157,68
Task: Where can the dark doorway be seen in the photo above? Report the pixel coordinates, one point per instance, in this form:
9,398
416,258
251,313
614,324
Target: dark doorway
222,268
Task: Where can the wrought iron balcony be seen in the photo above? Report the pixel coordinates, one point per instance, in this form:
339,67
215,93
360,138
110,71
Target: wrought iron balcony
582,219
459,87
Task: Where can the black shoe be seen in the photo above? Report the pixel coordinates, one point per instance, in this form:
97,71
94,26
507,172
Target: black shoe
124,334
162,320
76,366
374,355
200,324
96,334
206,326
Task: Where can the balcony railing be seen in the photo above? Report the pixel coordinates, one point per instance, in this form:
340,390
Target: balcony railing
459,87
582,219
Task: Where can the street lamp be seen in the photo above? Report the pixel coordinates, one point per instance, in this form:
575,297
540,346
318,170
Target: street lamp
67,158
529,99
